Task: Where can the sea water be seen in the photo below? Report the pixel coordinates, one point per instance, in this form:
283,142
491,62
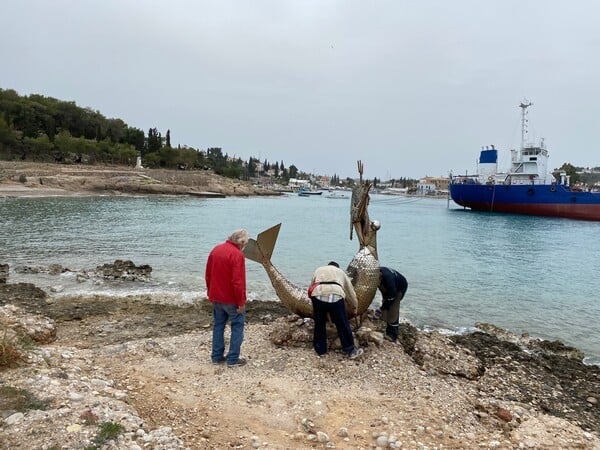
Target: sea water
525,274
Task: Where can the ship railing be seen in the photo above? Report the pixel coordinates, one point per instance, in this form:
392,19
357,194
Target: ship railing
464,179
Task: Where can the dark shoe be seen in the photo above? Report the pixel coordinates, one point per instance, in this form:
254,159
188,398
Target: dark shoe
387,337
356,353
239,362
221,360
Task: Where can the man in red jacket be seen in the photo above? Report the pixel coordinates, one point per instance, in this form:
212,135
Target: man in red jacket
226,284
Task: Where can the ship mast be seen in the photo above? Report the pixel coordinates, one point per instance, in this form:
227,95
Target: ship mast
524,105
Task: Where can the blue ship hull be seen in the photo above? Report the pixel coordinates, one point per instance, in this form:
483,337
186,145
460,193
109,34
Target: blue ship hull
555,200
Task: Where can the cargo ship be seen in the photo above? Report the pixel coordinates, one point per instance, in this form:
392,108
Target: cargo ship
526,188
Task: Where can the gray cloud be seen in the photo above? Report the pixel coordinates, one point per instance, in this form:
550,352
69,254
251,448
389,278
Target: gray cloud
410,88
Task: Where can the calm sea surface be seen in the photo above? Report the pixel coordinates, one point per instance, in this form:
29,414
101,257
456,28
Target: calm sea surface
525,274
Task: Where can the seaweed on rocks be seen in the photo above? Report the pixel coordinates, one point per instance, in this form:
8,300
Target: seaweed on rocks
561,386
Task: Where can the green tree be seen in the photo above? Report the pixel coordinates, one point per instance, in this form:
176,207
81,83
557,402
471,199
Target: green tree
38,149
251,168
69,118
47,129
135,137
233,170
201,161
64,145
115,130
293,171
570,170
154,141
7,134
216,159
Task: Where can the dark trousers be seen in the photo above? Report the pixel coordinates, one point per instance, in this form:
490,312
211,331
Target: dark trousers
390,310
390,313
337,312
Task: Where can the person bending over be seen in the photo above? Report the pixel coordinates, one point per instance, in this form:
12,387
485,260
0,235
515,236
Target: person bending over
392,286
329,297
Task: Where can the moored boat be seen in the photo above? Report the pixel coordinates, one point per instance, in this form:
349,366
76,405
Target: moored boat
304,192
526,188
333,193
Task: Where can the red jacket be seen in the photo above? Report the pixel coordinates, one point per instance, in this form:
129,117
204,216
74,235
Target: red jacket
226,275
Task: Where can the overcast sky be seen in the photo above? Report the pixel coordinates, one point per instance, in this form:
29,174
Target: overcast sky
411,88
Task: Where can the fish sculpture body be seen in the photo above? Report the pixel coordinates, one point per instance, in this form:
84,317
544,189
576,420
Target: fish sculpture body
293,297
363,270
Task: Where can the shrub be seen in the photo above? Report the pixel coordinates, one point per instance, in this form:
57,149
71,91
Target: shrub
21,400
106,432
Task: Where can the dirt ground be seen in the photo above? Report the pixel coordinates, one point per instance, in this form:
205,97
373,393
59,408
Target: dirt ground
287,397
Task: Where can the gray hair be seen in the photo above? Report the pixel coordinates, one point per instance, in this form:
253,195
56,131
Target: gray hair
239,237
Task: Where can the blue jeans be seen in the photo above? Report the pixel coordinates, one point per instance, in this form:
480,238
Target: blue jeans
221,313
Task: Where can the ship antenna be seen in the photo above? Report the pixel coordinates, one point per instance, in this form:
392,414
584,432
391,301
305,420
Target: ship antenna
524,105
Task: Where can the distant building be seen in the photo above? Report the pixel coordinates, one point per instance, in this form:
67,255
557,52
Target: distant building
323,180
433,186
295,182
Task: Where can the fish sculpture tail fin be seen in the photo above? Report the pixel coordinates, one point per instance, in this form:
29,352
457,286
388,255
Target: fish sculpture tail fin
261,248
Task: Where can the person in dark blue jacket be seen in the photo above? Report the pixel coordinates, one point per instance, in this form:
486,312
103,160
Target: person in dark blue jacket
392,286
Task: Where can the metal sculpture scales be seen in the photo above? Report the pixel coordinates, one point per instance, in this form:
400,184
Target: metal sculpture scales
363,270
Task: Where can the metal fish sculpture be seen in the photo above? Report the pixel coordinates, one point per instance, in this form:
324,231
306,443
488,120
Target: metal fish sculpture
363,269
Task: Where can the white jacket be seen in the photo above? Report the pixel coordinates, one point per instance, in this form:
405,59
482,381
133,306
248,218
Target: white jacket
338,283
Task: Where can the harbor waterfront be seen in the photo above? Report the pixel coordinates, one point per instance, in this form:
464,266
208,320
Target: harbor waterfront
523,273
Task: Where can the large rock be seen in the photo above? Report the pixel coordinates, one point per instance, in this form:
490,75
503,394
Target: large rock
39,328
25,295
125,270
537,345
292,331
3,273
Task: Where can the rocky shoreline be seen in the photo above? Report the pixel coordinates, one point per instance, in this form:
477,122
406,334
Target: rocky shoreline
19,179
142,366
133,372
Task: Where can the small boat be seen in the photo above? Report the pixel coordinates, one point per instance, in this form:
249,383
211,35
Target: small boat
526,188
304,192
394,191
336,194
